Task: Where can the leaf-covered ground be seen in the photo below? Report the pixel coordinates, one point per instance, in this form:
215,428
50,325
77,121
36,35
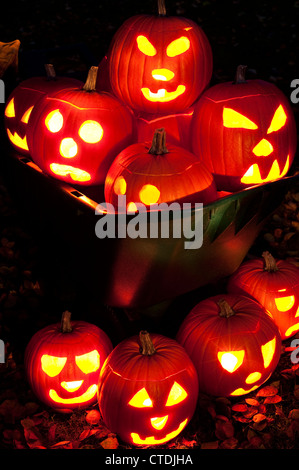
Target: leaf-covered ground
262,35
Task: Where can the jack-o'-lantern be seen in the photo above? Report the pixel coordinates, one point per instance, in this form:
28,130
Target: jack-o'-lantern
63,363
233,343
22,100
75,134
159,64
245,132
151,173
275,285
147,390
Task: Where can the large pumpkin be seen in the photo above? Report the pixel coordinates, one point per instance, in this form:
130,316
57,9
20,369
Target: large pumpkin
147,389
63,363
245,132
159,64
75,134
275,284
151,173
233,343
25,96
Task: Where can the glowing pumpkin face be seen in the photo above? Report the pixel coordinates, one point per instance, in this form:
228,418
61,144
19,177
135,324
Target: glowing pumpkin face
76,134
245,133
147,398
159,64
234,344
21,103
63,367
151,174
275,285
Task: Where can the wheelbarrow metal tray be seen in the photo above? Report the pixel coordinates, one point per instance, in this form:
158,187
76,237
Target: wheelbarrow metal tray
141,272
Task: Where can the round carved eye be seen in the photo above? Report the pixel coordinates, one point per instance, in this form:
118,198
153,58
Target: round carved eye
231,360
120,185
178,46
145,46
91,132
149,194
54,121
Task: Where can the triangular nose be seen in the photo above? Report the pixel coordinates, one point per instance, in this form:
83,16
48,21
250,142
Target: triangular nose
263,148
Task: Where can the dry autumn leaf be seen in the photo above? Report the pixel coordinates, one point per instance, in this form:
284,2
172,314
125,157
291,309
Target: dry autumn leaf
268,391
110,443
273,400
240,407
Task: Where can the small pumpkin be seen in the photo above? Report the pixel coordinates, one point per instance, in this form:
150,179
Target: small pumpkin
63,363
23,99
147,389
233,343
159,64
245,132
151,173
76,133
275,285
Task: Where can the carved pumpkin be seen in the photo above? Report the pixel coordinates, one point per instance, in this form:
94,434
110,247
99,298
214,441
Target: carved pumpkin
24,98
75,134
159,64
63,363
275,285
151,173
244,132
147,389
233,343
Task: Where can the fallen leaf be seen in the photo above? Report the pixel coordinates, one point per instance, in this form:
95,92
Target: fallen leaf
240,408
274,399
258,417
251,412
231,443
224,430
110,443
252,401
93,417
260,426
268,391
294,414
209,445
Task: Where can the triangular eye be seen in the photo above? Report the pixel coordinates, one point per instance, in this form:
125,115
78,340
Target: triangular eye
141,399
10,109
268,351
284,304
145,46
26,115
88,362
176,395
231,360
178,46
52,365
278,121
233,119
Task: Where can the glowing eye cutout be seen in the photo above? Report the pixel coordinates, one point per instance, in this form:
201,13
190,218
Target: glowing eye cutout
120,185
284,304
26,115
176,395
232,360
91,132
145,46
268,351
54,121
68,148
10,109
149,194
88,362
141,399
178,46
278,121
131,207
52,365
233,119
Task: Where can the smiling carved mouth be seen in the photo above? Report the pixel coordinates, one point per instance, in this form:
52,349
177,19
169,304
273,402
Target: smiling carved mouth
253,174
163,95
151,440
75,173
88,395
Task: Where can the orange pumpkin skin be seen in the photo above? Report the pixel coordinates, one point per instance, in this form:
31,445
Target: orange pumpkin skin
158,178
69,382
17,114
276,288
147,399
143,58
245,133
232,354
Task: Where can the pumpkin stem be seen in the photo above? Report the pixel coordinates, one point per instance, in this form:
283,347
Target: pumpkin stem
91,81
240,74
147,347
159,143
50,72
270,263
66,326
225,309
161,8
